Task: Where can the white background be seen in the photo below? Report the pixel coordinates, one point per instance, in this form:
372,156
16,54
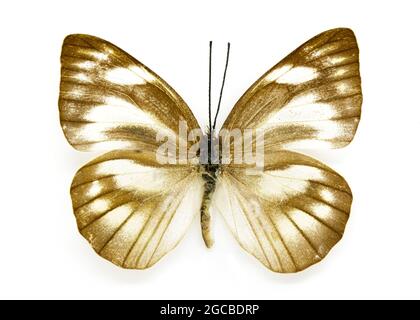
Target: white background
42,254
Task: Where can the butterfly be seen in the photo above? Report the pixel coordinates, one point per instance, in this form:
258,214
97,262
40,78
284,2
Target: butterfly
134,209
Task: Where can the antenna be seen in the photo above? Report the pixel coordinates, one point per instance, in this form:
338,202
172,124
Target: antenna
210,50
223,85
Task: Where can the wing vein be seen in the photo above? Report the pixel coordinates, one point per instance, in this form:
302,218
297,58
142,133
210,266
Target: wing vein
253,229
140,232
318,219
278,233
303,234
118,229
103,214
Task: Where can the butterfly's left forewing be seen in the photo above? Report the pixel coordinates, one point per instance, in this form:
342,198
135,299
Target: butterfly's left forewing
109,100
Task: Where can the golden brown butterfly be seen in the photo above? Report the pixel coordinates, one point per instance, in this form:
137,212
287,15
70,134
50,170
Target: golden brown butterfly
133,209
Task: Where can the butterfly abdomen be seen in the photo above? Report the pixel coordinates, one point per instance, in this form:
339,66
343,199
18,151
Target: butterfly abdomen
209,176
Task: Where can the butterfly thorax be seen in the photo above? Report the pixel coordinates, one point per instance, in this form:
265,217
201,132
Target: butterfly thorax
210,169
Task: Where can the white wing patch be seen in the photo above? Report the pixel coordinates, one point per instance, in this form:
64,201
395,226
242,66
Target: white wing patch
298,75
99,205
292,113
84,65
130,175
123,76
116,109
289,74
272,184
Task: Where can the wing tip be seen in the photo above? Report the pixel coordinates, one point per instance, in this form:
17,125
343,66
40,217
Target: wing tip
70,38
340,30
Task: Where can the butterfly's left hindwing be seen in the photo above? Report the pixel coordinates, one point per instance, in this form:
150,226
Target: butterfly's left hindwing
133,210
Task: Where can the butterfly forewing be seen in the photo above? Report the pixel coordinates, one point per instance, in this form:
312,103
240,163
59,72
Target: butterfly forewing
310,99
108,100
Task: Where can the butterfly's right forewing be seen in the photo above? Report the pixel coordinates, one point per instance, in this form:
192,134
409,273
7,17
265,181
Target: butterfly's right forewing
310,99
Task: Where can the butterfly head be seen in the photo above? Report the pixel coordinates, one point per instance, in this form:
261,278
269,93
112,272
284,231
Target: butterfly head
209,150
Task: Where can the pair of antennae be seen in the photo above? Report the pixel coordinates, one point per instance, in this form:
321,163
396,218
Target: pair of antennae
213,126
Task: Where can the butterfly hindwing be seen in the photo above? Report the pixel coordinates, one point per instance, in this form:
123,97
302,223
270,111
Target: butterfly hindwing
133,210
289,215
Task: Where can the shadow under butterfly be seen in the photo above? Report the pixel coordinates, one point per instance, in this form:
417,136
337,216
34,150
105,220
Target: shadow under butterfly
134,209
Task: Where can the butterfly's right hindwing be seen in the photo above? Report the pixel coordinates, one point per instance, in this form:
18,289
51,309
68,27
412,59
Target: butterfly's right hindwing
288,215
